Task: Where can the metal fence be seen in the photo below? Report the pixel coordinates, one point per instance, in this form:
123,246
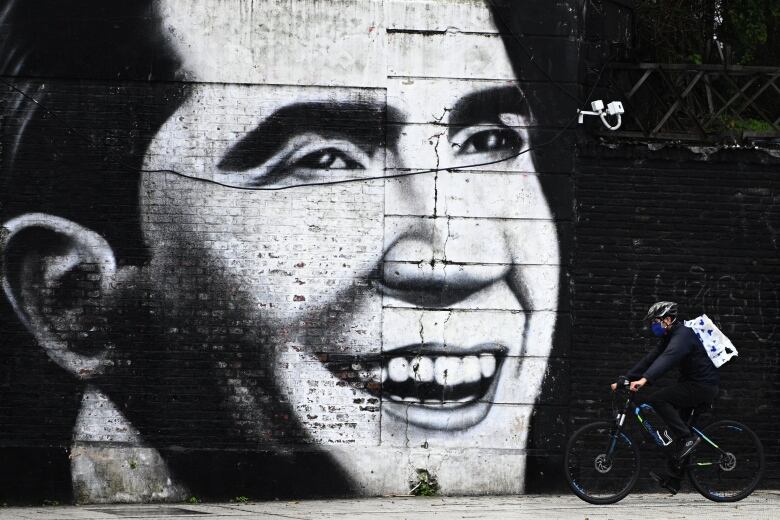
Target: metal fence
707,103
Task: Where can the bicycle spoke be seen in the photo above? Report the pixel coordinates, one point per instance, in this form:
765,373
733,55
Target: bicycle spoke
594,474
731,471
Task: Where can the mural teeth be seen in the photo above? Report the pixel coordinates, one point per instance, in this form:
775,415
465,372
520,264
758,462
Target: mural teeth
467,399
421,369
440,370
383,376
398,369
448,370
487,363
472,372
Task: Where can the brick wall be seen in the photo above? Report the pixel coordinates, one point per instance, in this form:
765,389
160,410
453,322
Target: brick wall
174,324
696,226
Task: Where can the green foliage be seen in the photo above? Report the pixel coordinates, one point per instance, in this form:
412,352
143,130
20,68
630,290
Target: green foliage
240,499
194,500
751,125
695,58
426,485
51,502
687,31
752,29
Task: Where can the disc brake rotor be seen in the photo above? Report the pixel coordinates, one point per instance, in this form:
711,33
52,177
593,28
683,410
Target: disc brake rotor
729,462
601,464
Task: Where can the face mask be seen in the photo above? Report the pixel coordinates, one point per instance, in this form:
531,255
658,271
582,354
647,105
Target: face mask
658,329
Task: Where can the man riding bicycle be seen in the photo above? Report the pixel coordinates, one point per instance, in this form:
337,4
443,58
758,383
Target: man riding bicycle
698,382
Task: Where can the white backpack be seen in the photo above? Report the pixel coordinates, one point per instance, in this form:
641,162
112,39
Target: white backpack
717,346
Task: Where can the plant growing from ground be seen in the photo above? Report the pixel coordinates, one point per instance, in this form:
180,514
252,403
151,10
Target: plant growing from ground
426,484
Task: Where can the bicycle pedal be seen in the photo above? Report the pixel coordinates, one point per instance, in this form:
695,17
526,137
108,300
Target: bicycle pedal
661,481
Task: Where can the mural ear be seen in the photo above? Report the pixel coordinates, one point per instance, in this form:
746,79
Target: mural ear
57,274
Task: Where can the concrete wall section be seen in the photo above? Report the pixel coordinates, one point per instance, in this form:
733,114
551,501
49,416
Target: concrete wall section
282,239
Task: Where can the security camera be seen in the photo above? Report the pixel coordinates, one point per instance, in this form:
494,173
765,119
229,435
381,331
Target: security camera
615,108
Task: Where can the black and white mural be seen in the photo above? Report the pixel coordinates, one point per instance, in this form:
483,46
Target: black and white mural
289,248
277,240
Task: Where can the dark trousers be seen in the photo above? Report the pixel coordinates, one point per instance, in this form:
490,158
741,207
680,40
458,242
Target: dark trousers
668,401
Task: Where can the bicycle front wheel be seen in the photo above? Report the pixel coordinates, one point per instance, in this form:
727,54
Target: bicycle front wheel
729,462
600,464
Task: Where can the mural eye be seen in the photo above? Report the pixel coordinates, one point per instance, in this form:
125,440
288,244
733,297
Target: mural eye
327,159
491,140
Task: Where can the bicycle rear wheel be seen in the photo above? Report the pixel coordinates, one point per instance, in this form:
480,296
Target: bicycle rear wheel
601,466
731,472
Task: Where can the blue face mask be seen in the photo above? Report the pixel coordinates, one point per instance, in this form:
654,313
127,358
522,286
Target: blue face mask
658,329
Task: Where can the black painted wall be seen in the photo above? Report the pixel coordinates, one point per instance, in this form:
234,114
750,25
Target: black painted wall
696,226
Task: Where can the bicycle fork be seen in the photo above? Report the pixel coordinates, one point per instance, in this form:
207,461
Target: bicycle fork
620,419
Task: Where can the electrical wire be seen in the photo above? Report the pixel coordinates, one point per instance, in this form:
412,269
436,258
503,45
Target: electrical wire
566,127
371,178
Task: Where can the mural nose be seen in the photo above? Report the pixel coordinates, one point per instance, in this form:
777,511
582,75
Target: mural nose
438,267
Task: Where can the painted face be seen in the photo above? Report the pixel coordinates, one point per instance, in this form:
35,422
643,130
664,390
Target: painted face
403,323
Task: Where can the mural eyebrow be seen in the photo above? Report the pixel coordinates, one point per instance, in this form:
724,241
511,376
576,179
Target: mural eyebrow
362,123
484,106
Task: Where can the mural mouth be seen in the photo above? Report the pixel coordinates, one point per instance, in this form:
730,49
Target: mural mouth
428,384
434,376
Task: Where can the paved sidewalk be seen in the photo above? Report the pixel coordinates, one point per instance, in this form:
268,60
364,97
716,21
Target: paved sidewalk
761,505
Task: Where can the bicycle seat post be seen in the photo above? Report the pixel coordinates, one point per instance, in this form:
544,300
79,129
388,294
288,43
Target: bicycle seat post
697,412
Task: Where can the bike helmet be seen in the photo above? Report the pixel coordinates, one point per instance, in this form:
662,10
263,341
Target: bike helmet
662,310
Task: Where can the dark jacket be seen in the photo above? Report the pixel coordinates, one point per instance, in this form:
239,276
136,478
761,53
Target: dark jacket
679,347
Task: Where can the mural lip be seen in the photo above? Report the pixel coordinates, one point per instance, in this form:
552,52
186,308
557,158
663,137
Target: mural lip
441,348
447,416
416,350
430,404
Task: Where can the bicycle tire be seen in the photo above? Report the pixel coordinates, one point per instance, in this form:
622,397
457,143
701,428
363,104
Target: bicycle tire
730,478
589,475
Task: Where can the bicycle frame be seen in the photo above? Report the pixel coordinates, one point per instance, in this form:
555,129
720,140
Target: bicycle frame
655,434
602,461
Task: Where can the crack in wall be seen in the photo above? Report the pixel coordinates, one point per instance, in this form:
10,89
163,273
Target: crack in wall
437,137
444,329
444,247
441,117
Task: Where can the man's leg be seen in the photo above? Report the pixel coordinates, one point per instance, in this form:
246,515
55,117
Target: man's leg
667,401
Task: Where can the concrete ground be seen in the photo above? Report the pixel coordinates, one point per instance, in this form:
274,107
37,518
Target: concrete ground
761,505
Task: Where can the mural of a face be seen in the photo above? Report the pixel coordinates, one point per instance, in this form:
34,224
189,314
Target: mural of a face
435,292
393,324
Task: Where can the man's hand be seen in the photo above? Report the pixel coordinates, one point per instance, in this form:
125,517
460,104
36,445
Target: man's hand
636,385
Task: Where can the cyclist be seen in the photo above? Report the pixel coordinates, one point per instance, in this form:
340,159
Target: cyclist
698,382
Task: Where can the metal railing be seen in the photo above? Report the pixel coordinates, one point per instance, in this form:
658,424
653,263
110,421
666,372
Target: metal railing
695,102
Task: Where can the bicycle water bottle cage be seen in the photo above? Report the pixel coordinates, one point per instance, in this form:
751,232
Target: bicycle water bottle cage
656,434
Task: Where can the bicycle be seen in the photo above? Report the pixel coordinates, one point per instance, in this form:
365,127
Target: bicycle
602,461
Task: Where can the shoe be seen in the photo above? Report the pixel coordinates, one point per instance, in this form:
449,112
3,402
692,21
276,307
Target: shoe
668,482
687,444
